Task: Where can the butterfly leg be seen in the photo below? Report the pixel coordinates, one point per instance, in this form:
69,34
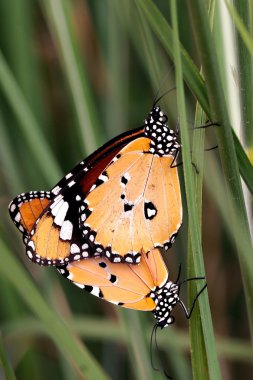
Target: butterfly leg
188,313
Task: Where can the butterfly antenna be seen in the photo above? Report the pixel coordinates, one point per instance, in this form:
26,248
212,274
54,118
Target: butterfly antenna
160,97
154,338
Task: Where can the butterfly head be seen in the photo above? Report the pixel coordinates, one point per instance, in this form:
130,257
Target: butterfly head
163,139
166,298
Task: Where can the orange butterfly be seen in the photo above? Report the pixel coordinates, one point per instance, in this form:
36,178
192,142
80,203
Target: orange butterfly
145,286
124,199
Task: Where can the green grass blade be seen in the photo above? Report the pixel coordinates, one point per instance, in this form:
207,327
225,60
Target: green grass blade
12,174
58,17
137,346
116,102
245,35
227,151
194,227
243,24
198,349
165,34
192,77
29,126
103,330
56,327
5,363
19,51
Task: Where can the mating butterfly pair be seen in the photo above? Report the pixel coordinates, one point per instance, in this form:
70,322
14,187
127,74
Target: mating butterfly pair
103,223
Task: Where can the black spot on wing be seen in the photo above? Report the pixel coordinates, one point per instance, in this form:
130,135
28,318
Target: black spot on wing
88,288
150,210
102,264
113,279
101,179
128,207
124,180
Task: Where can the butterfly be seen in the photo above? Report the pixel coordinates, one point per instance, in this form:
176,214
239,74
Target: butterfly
145,286
122,200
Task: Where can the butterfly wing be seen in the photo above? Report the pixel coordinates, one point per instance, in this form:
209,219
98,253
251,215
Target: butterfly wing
49,220
136,206
26,208
120,201
123,284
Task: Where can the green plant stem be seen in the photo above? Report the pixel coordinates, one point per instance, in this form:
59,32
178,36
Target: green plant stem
227,150
194,227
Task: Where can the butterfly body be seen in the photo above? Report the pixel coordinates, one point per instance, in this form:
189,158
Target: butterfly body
124,199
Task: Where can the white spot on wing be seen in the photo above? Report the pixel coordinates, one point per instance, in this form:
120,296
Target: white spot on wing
56,206
76,283
74,248
103,178
93,187
66,230
17,217
29,254
56,190
70,184
95,291
151,212
68,175
31,244
61,214
12,208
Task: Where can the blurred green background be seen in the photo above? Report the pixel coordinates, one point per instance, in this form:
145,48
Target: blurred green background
74,74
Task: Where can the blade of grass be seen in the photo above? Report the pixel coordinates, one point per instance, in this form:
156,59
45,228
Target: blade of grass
245,49
19,51
192,78
31,130
154,63
6,156
58,17
198,351
137,348
227,151
245,62
4,360
165,34
97,329
56,327
210,347
245,35
115,105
